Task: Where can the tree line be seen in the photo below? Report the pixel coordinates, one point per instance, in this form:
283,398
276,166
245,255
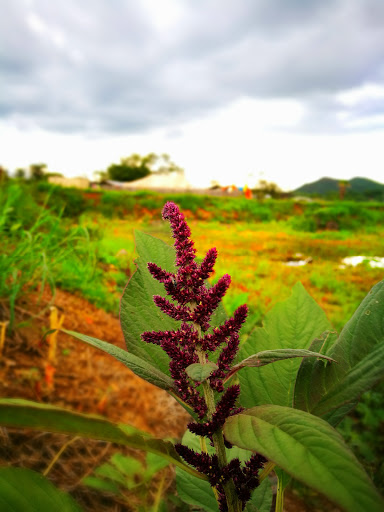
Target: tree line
129,168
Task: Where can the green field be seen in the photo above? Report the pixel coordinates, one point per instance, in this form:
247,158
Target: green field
261,259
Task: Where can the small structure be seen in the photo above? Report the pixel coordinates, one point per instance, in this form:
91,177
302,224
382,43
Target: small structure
159,181
69,182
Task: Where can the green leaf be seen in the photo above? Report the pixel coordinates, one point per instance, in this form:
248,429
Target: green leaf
310,450
154,465
195,492
108,472
120,473
330,391
138,312
26,414
127,465
292,324
272,356
262,496
140,367
101,485
283,477
200,372
24,490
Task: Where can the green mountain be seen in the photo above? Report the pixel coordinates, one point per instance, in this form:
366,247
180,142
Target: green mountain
365,185
363,188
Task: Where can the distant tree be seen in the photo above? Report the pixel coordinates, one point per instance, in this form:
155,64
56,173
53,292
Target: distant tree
100,176
124,172
38,171
265,188
20,173
134,167
53,175
162,163
3,174
373,195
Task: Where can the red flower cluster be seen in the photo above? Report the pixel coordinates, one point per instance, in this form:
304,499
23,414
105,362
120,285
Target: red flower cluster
192,303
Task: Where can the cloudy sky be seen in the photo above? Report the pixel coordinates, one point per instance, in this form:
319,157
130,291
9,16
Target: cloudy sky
233,90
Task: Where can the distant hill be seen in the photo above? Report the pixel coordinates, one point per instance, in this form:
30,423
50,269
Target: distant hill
356,187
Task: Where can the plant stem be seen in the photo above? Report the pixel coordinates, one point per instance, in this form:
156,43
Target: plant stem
267,469
234,505
3,326
279,496
158,496
58,455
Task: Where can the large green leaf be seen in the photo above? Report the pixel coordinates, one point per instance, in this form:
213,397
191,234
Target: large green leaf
140,367
24,490
330,391
138,312
26,414
195,491
310,450
292,324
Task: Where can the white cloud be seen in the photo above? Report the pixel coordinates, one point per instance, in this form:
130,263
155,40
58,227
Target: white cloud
164,15
356,95
289,91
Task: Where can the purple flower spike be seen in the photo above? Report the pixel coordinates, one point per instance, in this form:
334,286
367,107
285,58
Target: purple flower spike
185,250
220,334
176,312
206,267
207,464
158,273
226,357
209,301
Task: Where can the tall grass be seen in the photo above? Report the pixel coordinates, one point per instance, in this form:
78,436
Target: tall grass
34,245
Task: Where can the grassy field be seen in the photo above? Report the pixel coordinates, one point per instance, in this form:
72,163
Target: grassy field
263,260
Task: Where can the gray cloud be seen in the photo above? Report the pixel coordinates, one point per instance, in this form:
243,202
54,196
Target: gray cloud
105,66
